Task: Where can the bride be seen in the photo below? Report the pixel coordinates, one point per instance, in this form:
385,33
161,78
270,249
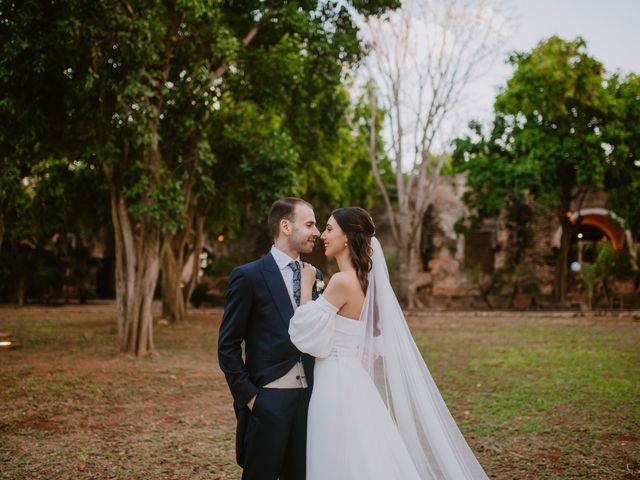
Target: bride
375,411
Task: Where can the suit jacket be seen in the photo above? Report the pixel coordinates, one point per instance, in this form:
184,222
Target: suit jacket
257,312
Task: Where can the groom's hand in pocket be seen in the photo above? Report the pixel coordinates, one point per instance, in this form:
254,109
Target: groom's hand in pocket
251,402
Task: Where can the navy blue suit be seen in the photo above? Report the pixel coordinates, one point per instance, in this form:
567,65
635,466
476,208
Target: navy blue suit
270,439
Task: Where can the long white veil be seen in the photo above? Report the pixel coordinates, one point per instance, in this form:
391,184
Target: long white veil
389,354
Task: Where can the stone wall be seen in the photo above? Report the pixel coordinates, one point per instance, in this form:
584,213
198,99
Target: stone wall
454,277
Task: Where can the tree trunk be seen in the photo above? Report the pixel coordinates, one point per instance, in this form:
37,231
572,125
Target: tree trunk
176,251
21,288
173,305
404,277
484,294
562,269
137,267
409,264
197,248
1,227
514,292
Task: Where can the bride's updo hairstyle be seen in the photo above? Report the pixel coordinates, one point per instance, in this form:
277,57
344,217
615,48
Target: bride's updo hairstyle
358,226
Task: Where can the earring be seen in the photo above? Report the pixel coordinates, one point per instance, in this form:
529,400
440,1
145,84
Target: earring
346,244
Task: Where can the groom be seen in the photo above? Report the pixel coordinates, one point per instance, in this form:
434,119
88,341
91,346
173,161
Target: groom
271,386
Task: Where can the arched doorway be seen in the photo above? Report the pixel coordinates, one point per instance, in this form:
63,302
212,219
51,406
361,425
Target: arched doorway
596,223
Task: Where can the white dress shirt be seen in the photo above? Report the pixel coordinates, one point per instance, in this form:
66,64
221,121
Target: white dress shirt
283,260
294,378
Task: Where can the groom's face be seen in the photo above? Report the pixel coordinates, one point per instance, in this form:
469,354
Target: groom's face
303,229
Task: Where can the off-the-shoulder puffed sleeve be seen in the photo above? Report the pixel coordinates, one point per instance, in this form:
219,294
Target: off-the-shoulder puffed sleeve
312,327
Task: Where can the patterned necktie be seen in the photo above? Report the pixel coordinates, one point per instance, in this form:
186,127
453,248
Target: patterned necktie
295,266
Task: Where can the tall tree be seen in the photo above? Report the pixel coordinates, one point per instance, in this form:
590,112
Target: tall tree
137,87
280,123
421,59
24,128
49,203
547,139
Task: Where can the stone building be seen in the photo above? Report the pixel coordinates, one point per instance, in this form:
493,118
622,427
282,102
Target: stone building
501,266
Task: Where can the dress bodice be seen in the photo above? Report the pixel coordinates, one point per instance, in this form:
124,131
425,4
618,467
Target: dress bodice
317,329
347,337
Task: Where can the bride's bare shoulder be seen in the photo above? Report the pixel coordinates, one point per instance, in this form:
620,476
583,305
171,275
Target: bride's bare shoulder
343,280
341,289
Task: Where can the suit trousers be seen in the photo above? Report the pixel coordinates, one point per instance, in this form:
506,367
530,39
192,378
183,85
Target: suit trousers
276,435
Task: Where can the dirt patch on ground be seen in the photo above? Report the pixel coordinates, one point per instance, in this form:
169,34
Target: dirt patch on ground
73,407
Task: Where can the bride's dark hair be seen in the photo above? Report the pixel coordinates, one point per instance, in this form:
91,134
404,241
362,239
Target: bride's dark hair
358,226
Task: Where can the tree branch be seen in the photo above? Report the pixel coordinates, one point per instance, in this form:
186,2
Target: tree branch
374,166
253,31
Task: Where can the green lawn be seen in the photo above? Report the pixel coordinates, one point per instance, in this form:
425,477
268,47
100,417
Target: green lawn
536,397
548,398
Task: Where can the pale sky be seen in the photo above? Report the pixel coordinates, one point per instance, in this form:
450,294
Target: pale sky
611,29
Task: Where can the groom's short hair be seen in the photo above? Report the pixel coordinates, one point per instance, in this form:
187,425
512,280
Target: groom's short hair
283,208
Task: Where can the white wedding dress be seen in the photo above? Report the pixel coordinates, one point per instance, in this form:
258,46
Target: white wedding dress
375,412
350,434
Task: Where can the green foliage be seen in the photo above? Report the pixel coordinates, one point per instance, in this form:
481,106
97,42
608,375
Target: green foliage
622,135
559,127
546,140
491,170
561,130
255,164
608,265
110,62
53,209
359,185
173,103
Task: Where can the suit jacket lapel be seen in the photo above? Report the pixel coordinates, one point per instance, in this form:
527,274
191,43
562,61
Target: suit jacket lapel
275,284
